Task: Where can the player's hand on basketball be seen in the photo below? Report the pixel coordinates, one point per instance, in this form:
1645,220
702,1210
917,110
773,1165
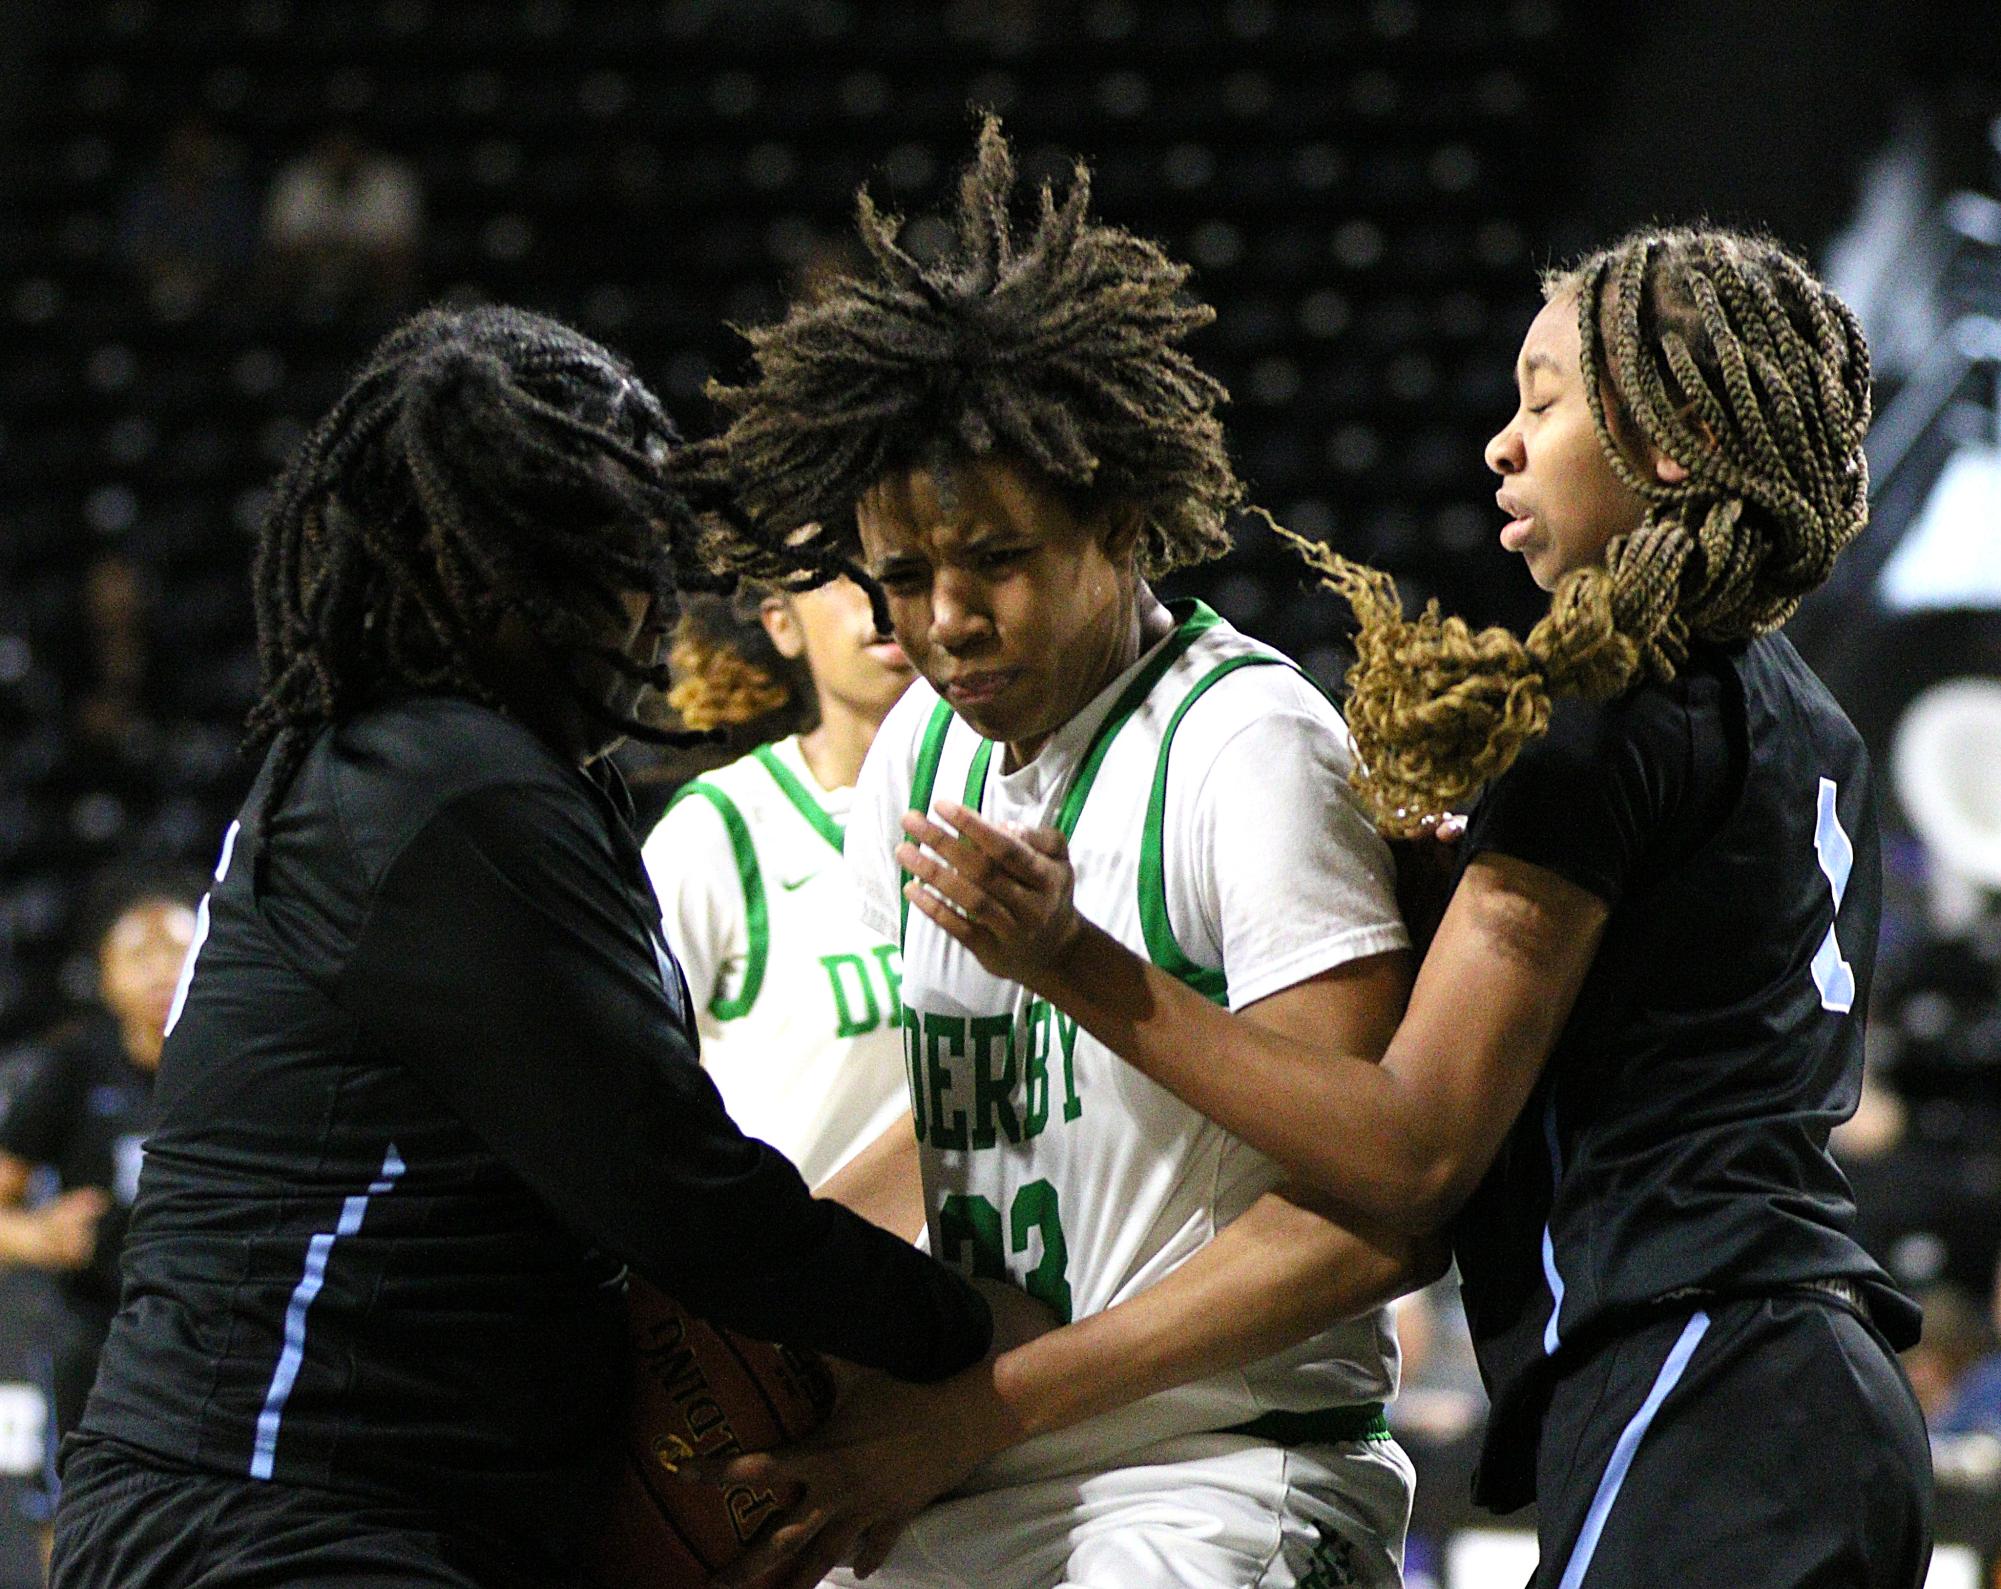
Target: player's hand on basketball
889,1450
1006,893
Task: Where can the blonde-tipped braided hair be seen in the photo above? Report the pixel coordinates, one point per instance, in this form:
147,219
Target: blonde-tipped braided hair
726,672
1719,351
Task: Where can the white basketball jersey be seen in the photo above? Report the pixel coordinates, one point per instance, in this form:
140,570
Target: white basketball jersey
797,1002
1240,862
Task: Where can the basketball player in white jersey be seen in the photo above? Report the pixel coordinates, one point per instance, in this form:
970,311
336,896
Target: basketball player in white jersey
1011,443
796,1000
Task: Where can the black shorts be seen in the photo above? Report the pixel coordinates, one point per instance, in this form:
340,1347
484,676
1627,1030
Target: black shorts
1763,1443
129,1522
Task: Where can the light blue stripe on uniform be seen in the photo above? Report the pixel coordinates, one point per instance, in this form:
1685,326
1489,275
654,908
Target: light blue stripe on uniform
1550,1338
264,1453
1622,1453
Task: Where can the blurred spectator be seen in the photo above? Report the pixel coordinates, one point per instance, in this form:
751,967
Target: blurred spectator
1924,1149
74,1115
112,702
1975,1407
343,227
1956,1338
187,226
1440,1398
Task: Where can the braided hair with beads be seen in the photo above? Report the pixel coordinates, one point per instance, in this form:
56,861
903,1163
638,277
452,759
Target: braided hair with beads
1061,347
485,464
1719,351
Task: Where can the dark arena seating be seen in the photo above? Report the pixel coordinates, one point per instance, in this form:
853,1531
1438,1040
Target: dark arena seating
1353,183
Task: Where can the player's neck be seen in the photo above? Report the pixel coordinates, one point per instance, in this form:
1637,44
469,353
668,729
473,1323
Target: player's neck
1145,623
834,750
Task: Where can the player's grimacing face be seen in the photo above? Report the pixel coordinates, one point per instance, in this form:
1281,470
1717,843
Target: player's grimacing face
1010,603
1563,501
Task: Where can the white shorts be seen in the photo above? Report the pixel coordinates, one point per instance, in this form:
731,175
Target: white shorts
1199,1512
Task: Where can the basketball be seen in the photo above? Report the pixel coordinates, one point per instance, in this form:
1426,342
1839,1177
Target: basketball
697,1389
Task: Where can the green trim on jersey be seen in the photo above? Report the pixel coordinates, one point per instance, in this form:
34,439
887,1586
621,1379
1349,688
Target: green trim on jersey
1161,946
976,775
816,815
929,753
756,914
1195,619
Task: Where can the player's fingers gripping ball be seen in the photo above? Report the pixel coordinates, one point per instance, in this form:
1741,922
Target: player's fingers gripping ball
698,1391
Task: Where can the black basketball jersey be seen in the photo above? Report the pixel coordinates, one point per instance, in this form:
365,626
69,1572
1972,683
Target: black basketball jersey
76,1105
430,1082
1676,1142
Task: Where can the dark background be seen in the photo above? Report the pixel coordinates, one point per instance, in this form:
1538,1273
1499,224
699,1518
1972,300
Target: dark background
1367,191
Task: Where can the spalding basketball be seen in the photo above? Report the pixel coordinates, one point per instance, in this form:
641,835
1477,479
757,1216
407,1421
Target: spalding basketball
697,1389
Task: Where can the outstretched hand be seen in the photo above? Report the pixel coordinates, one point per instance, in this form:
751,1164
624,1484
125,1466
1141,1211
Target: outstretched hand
1006,893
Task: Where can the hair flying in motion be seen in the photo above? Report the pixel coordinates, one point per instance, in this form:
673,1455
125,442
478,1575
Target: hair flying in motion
1061,347
485,464
1721,352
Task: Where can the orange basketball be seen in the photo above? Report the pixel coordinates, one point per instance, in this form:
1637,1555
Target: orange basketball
697,1389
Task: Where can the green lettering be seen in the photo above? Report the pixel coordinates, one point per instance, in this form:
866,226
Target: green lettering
966,1219
847,1022
890,959
913,1065
1066,1031
993,1090
1036,1211
944,1034
1035,1072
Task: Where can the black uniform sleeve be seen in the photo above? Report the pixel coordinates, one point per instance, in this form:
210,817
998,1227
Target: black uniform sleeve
504,964
38,1105
1585,799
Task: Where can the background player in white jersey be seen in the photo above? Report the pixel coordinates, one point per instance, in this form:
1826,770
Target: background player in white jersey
796,999
1015,442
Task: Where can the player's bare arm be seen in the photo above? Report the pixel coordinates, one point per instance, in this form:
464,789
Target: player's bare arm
1403,1141
1271,1278
882,1183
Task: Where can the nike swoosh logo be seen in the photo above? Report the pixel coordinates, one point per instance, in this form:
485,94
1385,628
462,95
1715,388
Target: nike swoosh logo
791,884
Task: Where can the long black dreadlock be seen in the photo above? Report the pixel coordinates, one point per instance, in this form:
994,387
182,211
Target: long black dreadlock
1061,347
485,463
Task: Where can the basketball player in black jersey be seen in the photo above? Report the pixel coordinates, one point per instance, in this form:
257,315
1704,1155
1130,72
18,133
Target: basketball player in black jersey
430,1075
77,1106
1642,1011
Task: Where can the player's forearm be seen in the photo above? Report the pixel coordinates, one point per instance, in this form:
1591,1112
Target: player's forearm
1275,1276
1346,1126
883,1183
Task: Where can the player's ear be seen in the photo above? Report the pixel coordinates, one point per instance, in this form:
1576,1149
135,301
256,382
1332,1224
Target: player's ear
781,623
1122,523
